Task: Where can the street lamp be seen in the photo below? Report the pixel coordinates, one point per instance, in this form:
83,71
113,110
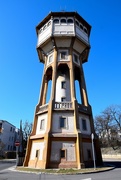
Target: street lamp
93,151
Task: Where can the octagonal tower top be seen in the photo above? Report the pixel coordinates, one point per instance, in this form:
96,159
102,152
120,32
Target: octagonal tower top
59,26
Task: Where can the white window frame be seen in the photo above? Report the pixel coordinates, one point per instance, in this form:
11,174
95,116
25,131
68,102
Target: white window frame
77,62
60,55
42,124
50,56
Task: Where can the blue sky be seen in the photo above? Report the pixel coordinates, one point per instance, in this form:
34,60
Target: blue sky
21,72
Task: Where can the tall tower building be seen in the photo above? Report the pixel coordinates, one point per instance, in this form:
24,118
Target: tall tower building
63,122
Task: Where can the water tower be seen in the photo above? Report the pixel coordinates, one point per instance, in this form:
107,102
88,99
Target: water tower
63,122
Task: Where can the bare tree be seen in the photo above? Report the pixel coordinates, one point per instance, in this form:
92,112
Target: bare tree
108,126
27,128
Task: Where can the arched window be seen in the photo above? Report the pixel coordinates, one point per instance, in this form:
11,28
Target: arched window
81,26
48,24
56,21
63,21
85,30
44,27
40,31
77,23
70,21
77,91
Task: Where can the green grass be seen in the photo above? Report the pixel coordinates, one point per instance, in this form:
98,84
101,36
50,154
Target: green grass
63,171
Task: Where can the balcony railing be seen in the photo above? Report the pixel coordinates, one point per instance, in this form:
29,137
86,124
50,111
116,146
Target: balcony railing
63,105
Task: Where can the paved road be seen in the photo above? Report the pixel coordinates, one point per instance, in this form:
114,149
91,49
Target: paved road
11,174
4,164
109,175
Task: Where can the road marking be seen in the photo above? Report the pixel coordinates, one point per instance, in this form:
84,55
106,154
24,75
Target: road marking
87,179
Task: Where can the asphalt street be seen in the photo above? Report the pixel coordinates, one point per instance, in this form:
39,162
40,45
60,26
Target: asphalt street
11,174
4,164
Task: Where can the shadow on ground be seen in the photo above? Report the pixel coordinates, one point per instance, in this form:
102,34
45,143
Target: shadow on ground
116,164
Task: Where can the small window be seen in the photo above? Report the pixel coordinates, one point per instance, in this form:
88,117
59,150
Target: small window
77,23
44,27
63,153
56,21
49,23
84,125
42,124
62,122
75,58
70,21
11,129
37,153
63,55
63,99
50,58
63,21
85,30
40,31
63,84
81,26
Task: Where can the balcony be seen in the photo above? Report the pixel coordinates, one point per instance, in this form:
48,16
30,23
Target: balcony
82,35
44,33
63,105
42,109
65,29
84,109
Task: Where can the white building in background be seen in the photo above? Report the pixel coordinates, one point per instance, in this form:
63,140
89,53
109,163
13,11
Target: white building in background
9,134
